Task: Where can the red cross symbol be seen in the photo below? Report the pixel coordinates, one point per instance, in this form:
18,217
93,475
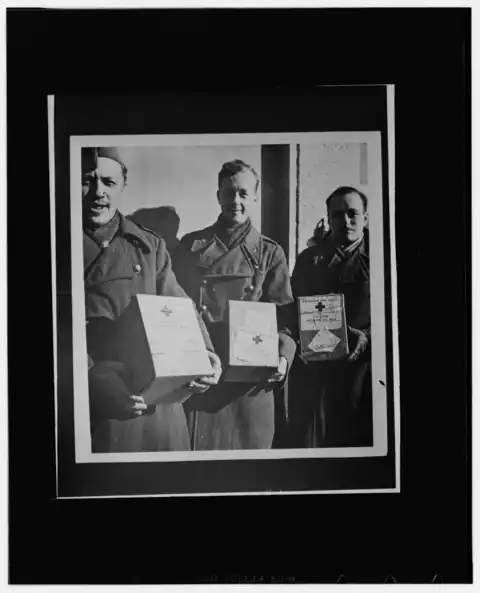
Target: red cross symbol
166,311
257,340
320,306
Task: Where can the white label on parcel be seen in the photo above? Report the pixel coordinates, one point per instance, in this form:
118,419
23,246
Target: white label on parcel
321,313
324,341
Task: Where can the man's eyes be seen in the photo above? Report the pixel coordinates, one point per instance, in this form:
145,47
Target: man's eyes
242,194
108,182
350,214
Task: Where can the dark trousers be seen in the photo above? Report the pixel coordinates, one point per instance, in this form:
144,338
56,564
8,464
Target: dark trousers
330,405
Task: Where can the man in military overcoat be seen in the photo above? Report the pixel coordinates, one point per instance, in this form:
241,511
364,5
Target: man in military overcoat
122,259
231,260
331,403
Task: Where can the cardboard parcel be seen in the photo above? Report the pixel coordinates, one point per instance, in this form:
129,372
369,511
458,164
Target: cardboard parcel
161,341
252,350
323,327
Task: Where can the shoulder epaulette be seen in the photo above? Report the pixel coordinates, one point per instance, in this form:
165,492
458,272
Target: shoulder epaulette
270,240
148,230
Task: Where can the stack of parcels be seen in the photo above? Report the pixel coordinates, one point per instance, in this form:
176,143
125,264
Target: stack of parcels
323,327
251,354
161,342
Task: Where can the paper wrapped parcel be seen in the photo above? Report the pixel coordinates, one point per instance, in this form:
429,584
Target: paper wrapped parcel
162,344
252,352
323,327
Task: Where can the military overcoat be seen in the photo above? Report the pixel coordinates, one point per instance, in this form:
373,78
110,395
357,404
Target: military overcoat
134,261
330,403
234,415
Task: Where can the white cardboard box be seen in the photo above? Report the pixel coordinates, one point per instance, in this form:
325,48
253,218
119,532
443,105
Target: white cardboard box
252,341
323,327
163,346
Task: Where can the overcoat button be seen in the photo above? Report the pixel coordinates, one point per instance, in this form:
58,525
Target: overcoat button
138,268
105,244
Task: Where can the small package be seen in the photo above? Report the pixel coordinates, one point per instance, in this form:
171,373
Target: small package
323,327
251,354
161,342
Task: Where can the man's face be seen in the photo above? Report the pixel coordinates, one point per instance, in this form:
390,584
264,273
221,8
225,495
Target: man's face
101,191
236,195
347,218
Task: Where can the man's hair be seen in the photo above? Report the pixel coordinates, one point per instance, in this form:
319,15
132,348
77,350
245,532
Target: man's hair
231,169
343,191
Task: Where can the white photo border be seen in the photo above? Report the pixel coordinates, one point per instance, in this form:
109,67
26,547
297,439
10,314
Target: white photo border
83,452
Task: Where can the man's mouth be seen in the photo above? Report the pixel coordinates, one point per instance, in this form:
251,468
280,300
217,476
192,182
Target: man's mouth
98,207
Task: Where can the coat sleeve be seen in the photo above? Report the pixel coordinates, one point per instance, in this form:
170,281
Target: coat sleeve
276,289
300,287
167,285
108,391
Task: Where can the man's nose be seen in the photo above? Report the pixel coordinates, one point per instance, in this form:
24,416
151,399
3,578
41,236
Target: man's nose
236,198
99,188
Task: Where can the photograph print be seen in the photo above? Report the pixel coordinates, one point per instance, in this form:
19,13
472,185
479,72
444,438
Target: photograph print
233,298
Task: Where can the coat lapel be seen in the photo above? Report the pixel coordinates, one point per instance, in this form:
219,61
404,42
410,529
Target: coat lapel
218,259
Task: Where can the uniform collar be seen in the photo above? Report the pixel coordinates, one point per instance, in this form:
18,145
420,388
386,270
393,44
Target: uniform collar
251,242
212,248
326,244
362,249
324,251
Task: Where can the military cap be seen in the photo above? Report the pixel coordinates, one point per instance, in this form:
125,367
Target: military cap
90,156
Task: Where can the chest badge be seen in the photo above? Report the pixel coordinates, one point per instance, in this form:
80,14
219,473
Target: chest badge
138,268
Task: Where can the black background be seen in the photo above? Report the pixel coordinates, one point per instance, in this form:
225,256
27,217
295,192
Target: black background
422,532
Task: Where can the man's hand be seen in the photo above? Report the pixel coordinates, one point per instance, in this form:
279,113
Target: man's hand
359,341
202,384
279,374
138,405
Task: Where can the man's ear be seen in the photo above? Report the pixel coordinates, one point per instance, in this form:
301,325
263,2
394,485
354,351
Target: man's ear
366,218
218,196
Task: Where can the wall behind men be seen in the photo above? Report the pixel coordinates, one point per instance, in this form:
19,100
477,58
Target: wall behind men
323,168
185,178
